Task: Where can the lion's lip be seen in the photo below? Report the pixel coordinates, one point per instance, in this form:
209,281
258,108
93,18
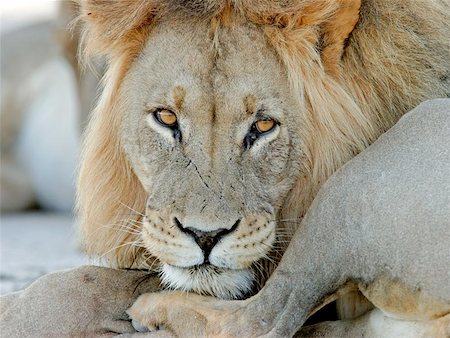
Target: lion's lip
203,266
207,266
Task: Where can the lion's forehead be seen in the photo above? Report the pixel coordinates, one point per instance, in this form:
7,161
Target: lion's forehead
216,71
218,83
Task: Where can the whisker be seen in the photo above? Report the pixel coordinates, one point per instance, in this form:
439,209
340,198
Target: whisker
134,243
134,210
277,241
299,219
155,262
120,228
113,226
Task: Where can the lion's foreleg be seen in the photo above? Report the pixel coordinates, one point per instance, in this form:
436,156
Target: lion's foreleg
316,264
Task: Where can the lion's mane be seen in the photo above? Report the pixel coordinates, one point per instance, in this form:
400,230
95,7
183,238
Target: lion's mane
354,82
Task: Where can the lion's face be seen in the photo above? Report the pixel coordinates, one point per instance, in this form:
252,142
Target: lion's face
211,132
219,116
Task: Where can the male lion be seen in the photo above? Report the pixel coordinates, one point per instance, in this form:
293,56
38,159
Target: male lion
389,243
220,120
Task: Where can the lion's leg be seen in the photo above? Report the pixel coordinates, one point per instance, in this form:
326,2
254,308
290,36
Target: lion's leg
338,328
317,265
88,301
377,324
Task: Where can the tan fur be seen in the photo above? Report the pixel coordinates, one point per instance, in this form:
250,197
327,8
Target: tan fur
352,82
384,293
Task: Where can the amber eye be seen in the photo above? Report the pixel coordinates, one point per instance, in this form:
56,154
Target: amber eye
166,117
264,126
259,128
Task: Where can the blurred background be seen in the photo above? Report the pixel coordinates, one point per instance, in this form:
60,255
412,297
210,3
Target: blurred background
46,97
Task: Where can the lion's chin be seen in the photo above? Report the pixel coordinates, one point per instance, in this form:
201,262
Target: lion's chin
209,280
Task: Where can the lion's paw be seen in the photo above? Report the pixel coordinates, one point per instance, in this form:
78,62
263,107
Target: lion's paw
156,311
185,314
139,327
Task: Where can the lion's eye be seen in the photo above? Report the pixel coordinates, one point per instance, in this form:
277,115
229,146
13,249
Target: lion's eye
263,126
166,117
259,128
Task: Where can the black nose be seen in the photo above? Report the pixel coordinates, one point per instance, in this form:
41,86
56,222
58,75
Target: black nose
206,240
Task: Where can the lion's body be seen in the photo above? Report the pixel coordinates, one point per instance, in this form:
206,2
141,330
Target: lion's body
334,78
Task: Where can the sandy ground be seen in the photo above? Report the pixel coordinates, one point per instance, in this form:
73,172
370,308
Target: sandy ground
33,244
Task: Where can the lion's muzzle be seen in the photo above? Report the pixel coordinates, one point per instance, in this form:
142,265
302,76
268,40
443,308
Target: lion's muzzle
206,240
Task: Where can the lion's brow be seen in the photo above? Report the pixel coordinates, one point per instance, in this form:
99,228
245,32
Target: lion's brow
178,95
250,104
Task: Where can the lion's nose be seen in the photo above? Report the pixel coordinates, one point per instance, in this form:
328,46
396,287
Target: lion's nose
206,240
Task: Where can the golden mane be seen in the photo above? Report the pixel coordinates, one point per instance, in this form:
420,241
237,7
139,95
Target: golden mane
354,82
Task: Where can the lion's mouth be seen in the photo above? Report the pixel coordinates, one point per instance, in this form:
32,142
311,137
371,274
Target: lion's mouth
208,279
205,267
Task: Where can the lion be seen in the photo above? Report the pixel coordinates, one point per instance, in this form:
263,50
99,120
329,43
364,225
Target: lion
220,120
355,236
